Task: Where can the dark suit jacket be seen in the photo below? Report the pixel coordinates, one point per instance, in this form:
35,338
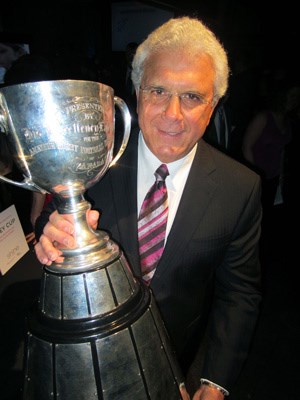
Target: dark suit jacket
207,283
209,274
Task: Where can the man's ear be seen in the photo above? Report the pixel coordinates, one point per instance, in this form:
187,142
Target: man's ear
215,102
213,106
137,99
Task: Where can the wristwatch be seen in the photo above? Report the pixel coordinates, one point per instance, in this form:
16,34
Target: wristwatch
215,386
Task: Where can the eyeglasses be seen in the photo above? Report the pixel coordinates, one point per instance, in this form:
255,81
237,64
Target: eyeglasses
159,95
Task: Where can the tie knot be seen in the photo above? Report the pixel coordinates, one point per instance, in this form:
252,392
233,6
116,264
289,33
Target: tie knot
161,173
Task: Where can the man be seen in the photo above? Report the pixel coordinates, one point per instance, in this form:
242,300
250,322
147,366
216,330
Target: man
207,281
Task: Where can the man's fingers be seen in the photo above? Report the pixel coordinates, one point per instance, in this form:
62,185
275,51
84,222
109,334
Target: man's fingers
55,234
42,256
63,222
183,392
58,234
46,250
92,218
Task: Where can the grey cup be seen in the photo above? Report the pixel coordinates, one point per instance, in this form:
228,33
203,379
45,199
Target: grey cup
86,337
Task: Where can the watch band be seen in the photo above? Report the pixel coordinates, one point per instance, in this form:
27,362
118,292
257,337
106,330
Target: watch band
215,386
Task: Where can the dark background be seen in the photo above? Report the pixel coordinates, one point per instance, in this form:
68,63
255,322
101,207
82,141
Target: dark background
269,33
267,30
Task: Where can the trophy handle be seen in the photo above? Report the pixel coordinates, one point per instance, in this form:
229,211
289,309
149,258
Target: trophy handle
127,126
27,182
3,115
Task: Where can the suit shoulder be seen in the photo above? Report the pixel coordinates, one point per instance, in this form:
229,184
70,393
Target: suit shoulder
231,166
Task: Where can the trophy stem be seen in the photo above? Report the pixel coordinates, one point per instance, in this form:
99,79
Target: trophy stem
93,248
78,207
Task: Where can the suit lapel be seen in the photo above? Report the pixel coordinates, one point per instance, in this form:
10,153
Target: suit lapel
196,196
124,181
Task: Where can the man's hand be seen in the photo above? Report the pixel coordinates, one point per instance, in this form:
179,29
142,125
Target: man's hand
183,392
58,233
208,393
203,393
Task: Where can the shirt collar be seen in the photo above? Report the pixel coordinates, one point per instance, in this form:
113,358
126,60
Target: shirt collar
148,163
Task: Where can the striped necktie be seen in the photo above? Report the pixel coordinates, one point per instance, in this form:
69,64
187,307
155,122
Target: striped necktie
152,224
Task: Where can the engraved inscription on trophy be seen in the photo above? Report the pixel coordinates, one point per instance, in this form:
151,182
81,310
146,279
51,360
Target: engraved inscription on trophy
78,127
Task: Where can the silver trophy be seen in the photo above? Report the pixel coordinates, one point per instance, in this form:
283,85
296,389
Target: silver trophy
96,332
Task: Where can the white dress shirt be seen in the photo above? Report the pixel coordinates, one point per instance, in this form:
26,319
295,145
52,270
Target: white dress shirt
175,181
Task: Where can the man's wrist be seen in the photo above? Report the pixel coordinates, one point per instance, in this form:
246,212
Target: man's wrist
214,385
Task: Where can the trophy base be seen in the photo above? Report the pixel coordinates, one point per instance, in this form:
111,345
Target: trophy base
97,334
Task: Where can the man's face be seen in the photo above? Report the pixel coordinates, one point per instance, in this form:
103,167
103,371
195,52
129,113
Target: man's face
172,125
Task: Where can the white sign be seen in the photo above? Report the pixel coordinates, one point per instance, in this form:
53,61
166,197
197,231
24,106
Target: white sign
13,243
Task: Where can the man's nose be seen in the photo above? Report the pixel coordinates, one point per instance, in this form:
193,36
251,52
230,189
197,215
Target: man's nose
173,106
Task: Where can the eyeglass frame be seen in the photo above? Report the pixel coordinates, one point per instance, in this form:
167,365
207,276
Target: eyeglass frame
148,89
